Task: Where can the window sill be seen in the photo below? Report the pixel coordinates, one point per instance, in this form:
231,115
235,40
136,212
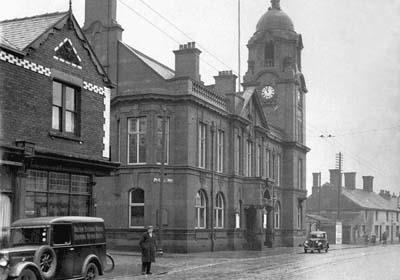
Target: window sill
65,136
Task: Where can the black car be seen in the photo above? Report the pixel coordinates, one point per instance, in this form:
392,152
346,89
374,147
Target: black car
316,241
55,248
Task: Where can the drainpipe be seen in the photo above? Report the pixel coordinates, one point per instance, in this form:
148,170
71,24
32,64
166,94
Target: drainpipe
212,187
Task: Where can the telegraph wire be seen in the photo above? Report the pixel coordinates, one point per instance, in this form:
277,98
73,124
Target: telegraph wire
183,33
360,160
162,31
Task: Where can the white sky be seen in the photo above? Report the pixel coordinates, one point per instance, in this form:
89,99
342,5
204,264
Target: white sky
351,62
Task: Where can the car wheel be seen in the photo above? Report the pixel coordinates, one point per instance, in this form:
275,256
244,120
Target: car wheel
27,274
45,258
319,250
305,251
326,250
92,272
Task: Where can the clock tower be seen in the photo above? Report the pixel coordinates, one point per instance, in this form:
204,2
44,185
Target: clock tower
274,66
274,69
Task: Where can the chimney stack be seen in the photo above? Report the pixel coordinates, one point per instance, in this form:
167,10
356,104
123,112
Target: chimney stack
334,177
368,183
350,180
187,61
316,182
225,83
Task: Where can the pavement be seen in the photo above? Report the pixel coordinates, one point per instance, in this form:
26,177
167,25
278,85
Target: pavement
128,264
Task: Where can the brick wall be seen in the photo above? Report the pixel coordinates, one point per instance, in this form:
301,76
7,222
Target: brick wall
26,99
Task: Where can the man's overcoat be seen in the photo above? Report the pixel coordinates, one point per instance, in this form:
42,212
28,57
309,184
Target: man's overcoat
148,246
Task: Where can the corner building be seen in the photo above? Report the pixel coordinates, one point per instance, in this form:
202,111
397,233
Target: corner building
234,173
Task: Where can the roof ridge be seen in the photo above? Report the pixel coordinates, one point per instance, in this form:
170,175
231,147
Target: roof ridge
148,57
35,16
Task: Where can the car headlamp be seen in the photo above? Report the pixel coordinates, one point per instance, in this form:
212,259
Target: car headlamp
4,260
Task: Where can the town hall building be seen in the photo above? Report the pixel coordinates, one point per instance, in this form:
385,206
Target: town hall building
226,168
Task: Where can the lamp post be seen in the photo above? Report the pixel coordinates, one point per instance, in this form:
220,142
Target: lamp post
162,170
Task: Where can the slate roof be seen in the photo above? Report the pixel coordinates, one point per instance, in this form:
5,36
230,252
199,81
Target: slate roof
369,200
162,70
20,33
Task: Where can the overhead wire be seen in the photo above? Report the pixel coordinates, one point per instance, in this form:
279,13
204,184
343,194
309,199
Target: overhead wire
162,31
184,33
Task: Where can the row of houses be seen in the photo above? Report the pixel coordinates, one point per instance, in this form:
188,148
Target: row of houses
366,216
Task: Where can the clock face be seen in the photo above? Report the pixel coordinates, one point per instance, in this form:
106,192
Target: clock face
268,92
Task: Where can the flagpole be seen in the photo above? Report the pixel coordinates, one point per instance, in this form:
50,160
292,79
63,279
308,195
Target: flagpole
239,59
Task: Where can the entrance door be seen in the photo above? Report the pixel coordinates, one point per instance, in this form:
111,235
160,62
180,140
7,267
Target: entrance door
251,219
5,218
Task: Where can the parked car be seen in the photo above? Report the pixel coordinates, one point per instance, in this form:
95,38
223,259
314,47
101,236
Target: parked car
55,248
316,241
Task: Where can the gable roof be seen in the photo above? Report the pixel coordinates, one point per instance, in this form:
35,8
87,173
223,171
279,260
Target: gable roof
20,33
162,70
369,200
248,95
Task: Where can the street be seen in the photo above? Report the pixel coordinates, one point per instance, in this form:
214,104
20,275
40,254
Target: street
374,262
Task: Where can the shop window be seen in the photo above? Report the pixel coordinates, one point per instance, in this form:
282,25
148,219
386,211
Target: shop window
65,109
57,194
136,208
201,209
137,128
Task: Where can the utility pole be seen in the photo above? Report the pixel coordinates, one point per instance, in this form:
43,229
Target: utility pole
212,187
339,166
162,170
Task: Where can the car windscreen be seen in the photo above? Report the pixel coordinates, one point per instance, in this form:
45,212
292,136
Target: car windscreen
317,235
29,236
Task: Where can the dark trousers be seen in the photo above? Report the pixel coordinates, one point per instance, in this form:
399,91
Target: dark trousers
146,267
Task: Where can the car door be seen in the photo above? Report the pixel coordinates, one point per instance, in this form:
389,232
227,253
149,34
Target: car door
64,249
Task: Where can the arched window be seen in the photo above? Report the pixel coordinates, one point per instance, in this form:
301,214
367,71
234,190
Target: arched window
136,208
219,211
277,218
201,208
269,54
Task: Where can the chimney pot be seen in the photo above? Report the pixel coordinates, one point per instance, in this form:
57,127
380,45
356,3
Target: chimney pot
350,180
368,183
187,61
225,82
334,177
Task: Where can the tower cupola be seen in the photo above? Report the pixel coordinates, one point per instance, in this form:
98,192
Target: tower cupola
275,18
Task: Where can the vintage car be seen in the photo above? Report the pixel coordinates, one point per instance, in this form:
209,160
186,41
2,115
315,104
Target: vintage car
55,248
316,241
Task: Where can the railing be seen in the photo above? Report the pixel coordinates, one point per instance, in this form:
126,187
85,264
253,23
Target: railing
208,95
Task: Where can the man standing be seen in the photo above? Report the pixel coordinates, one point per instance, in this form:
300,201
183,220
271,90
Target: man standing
148,245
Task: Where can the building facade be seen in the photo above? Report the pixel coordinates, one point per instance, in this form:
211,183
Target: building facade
234,162
54,119
365,215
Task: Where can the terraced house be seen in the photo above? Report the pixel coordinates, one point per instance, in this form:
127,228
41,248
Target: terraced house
54,119
234,162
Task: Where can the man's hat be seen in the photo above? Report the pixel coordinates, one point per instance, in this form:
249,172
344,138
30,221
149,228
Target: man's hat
149,227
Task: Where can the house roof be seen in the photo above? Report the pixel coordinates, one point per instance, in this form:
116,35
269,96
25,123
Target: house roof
20,33
369,200
162,70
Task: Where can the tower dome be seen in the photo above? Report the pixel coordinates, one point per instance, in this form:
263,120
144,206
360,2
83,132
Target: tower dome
275,18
